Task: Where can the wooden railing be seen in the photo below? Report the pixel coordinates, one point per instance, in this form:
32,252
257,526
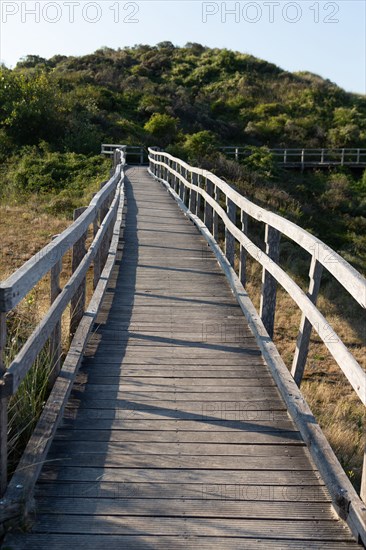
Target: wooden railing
208,199
135,154
100,218
288,157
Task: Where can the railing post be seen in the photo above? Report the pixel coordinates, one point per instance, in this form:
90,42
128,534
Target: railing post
97,259
236,154
243,252
184,187
215,228
269,287
285,156
3,412
302,159
322,157
193,194
55,339
363,478
229,238
77,303
303,339
342,157
358,156
199,197
208,207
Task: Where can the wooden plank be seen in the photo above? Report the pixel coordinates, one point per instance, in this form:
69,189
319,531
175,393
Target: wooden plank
185,542
178,448
52,472
279,436
192,491
179,463
299,529
251,508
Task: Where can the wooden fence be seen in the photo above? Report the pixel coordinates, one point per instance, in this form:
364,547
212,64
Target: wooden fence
306,158
101,218
208,199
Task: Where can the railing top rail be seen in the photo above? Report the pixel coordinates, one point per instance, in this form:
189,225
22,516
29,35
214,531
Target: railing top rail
19,283
343,272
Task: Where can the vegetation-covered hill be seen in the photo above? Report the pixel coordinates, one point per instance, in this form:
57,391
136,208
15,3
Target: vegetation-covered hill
75,103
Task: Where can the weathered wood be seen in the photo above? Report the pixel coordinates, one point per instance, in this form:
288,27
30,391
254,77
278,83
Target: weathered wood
3,410
229,237
77,304
22,484
55,339
303,339
243,252
267,308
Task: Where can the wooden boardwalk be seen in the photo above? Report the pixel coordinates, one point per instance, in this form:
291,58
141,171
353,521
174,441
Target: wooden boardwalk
175,435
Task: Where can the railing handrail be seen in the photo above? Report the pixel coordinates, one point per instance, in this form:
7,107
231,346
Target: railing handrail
19,283
301,156
347,275
180,178
104,204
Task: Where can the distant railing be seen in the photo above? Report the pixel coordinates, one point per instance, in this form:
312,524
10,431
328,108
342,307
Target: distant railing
306,158
203,195
135,154
100,218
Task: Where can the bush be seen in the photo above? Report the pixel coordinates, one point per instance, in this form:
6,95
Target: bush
163,129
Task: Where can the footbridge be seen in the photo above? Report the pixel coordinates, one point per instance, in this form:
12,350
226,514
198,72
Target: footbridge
173,422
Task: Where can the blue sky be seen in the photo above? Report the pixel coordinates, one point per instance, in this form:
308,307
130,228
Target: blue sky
327,38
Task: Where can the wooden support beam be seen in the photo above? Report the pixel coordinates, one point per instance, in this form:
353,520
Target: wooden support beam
77,304
55,339
243,252
303,339
198,202
3,411
208,215
229,238
269,286
215,215
193,194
